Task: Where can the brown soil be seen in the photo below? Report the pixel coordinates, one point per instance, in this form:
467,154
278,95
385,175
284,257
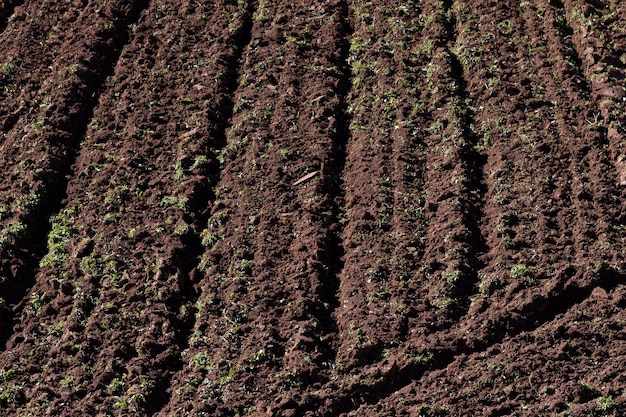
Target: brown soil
312,209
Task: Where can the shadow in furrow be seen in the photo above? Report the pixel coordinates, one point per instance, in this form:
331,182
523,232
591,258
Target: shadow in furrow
472,203
565,32
202,197
6,10
186,260
20,260
571,289
588,49
333,184
541,310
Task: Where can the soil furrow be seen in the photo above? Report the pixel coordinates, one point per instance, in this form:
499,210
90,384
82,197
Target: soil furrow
438,351
593,34
312,208
368,199
40,155
456,211
202,199
104,259
332,187
559,340
472,204
388,298
264,328
507,282
594,195
383,295
583,211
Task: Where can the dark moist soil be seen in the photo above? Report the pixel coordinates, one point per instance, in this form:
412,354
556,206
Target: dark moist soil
312,209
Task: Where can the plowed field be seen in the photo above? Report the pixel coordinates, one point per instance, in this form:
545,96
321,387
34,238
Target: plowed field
323,208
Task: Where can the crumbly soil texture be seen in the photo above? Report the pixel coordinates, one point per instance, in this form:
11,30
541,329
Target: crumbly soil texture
312,208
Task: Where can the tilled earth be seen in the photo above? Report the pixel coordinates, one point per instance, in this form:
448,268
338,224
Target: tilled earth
323,208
